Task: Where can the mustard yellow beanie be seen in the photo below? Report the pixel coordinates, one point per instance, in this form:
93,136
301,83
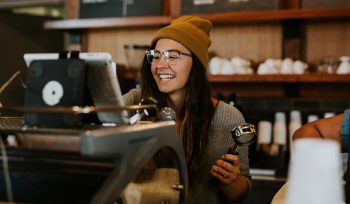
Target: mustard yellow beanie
192,32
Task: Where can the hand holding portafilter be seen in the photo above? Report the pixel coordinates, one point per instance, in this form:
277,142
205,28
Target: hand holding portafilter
243,134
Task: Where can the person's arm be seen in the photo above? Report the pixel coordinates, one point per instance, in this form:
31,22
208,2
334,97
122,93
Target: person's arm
328,128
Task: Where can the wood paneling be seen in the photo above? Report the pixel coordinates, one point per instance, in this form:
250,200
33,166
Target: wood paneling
253,42
72,9
113,41
249,90
319,91
326,39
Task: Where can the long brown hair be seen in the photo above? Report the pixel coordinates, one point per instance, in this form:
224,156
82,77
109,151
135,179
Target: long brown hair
195,115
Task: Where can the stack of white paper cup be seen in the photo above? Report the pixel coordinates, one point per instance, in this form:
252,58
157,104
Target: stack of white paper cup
315,173
264,132
280,129
311,118
328,114
264,135
294,124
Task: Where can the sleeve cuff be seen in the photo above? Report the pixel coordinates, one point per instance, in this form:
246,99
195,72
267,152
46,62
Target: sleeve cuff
345,129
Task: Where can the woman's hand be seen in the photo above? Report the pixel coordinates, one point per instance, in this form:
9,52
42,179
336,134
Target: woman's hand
226,169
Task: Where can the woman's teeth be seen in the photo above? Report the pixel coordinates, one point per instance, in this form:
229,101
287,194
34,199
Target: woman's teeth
166,76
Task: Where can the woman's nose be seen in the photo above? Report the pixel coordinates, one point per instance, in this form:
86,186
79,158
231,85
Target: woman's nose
162,61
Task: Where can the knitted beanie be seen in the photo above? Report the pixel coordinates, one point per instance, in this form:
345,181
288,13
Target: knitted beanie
192,32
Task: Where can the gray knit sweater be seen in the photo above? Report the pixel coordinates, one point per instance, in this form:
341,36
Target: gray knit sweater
220,139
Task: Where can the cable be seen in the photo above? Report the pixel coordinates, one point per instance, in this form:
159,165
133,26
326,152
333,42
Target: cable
6,171
9,81
3,87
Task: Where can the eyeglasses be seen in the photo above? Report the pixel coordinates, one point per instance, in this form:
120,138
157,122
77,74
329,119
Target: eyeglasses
172,57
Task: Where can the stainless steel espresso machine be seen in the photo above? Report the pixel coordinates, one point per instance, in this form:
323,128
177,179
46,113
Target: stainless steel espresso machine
140,163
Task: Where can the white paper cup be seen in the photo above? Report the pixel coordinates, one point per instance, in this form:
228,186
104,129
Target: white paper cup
315,173
264,132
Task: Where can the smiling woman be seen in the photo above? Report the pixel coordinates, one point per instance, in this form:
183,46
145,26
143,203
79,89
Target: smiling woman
174,73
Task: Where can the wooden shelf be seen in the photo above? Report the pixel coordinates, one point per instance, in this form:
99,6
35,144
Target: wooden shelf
269,78
305,78
276,15
70,24
216,18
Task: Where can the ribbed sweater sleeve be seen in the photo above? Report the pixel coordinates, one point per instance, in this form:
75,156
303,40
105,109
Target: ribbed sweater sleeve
133,97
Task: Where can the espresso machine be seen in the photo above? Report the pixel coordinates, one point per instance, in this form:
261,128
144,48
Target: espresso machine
73,144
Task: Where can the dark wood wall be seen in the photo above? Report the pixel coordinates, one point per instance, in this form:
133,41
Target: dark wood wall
21,34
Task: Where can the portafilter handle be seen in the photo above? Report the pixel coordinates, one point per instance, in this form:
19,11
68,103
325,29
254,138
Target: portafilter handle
243,134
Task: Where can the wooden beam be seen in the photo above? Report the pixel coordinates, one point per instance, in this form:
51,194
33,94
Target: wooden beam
72,8
119,22
173,8
6,4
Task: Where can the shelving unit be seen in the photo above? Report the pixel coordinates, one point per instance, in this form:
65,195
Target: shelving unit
314,87
279,78
283,26
288,32
291,31
277,15
307,86
216,18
